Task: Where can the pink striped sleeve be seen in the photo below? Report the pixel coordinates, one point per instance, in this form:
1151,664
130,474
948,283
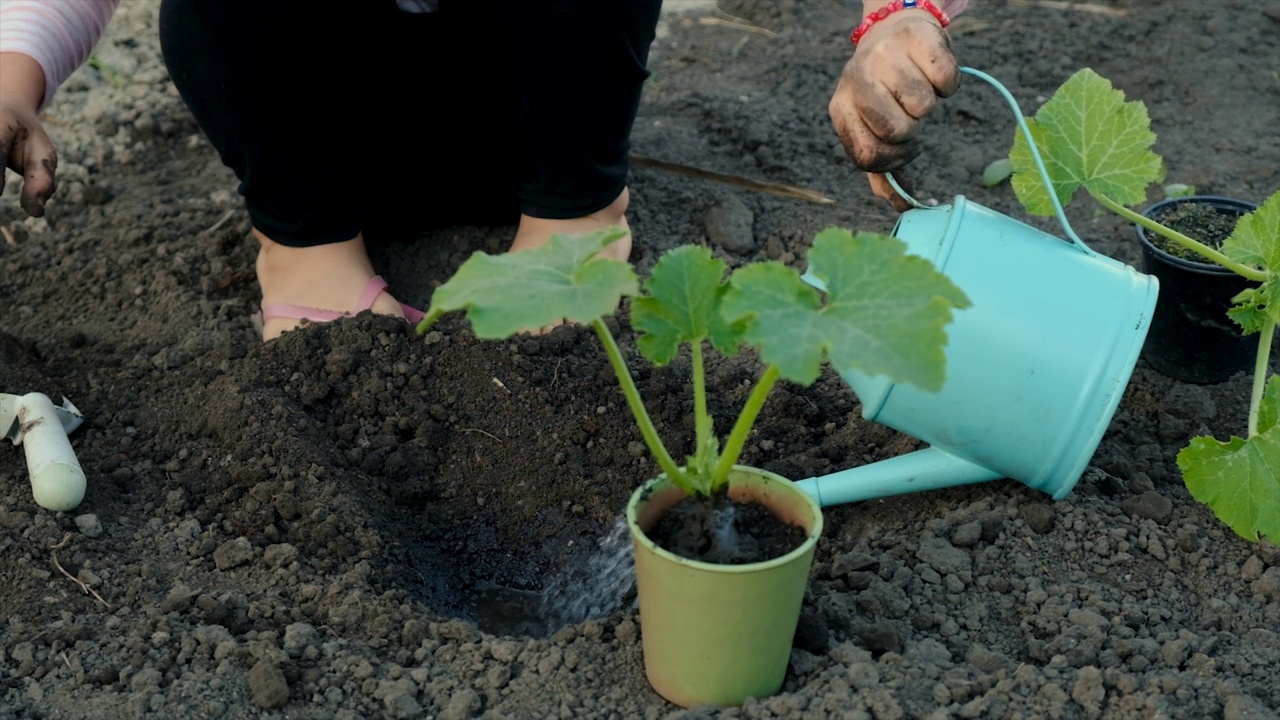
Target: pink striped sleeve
59,34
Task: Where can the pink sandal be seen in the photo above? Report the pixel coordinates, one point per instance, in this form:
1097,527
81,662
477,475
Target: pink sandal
372,289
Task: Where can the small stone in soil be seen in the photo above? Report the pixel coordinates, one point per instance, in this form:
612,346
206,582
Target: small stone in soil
14,519
89,525
1268,552
268,688
1269,584
233,553
179,598
881,637
967,535
729,226
1150,505
280,555
812,633
463,704
1039,517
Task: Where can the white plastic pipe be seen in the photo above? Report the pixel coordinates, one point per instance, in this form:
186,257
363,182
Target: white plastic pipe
57,481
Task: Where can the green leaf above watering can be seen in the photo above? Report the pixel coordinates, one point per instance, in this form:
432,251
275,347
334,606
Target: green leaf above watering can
1240,479
885,311
529,290
1090,137
682,306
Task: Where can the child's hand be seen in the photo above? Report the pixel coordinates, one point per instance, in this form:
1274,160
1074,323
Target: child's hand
899,69
24,145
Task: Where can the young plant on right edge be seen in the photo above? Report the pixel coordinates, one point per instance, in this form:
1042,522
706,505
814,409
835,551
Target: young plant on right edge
1090,137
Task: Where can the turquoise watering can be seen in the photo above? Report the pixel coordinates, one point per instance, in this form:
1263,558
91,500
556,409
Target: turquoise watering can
1035,368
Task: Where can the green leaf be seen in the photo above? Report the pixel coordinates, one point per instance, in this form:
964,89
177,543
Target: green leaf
1256,243
885,311
1256,239
1269,408
682,305
1089,137
1250,307
997,172
529,290
1178,190
1240,479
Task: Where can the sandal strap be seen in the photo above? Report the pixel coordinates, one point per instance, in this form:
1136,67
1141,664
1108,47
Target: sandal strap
370,293
412,314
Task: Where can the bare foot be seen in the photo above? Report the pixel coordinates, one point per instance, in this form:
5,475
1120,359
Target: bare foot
534,232
326,277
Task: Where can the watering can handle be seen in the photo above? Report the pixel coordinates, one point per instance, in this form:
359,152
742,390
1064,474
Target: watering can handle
1035,155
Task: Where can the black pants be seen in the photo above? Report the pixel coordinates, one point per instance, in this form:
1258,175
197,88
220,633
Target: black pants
339,118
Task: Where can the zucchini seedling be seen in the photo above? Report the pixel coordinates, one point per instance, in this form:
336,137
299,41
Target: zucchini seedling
882,312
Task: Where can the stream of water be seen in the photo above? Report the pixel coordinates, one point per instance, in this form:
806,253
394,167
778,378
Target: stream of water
588,589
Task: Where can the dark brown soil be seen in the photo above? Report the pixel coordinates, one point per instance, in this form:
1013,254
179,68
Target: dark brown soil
315,528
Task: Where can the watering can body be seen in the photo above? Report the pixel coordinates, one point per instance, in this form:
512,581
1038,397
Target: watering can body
1035,368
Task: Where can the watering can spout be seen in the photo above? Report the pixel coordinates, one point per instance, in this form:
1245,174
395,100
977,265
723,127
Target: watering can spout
927,469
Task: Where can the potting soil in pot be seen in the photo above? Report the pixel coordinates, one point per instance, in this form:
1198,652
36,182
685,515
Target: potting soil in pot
1209,225
725,532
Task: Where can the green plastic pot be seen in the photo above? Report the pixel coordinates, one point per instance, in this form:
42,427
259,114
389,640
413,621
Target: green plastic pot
720,634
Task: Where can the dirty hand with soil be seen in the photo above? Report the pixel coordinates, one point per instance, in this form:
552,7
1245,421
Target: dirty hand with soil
901,65
24,146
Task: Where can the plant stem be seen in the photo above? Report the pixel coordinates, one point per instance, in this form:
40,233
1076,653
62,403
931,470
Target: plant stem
742,426
428,320
701,419
638,410
1186,242
1260,373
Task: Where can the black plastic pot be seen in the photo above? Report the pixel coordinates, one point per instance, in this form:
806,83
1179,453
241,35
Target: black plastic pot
1191,338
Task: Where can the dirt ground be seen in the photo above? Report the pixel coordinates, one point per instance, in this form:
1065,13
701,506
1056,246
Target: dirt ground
355,522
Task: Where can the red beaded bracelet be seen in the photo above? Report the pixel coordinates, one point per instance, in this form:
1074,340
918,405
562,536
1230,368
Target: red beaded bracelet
894,7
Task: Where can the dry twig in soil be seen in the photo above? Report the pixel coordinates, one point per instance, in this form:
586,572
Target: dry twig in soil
736,25
53,553
735,180
1082,7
